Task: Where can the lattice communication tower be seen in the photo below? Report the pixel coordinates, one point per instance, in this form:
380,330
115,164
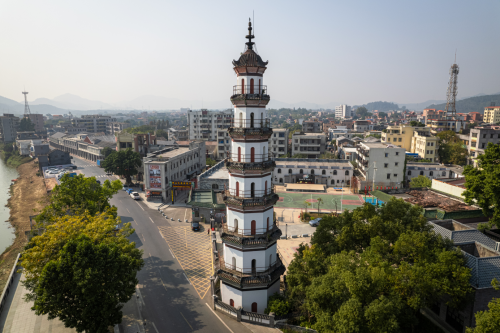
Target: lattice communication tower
452,93
26,106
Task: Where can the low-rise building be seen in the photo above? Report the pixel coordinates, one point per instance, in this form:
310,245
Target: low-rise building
429,170
363,126
338,131
116,127
278,142
310,144
178,134
424,144
140,143
173,164
312,126
335,173
9,125
55,157
39,149
479,137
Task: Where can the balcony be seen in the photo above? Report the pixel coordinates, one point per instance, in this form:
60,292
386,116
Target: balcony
250,238
251,168
250,95
233,198
250,129
249,276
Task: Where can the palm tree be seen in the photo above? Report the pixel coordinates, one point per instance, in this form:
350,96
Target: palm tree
320,201
307,203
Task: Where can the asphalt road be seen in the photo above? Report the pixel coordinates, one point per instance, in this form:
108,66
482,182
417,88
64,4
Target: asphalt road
171,304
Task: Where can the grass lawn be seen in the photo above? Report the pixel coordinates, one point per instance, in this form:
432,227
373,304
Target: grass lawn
296,200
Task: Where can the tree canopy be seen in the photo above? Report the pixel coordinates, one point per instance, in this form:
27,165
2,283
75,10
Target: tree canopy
371,270
26,125
76,195
107,151
483,184
87,285
451,150
420,181
125,163
488,321
415,123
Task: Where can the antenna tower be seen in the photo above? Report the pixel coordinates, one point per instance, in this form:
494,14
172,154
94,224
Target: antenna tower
26,106
451,95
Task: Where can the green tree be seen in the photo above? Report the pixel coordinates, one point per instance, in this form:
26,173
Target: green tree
415,123
372,270
307,204
482,185
362,112
420,181
77,195
107,151
210,162
451,150
277,304
125,163
87,285
25,125
320,201
299,156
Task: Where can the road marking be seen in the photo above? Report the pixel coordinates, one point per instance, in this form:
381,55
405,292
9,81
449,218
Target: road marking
171,253
155,327
185,211
186,278
143,239
128,211
151,219
186,321
219,318
139,205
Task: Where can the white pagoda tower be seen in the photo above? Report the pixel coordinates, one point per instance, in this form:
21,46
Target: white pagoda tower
250,267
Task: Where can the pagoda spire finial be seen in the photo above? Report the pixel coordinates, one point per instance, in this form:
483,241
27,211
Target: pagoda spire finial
250,36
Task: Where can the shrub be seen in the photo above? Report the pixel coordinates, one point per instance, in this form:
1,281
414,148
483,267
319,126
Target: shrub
277,304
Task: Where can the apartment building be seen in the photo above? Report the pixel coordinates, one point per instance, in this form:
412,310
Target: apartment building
479,138
140,143
37,120
312,126
441,125
278,142
362,125
223,144
8,127
336,173
310,144
343,111
93,123
424,144
379,165
115,127
429,170
491,114
178,135
173,164
335,133
204,124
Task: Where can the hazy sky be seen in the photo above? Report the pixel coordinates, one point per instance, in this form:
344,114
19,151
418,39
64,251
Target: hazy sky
319,51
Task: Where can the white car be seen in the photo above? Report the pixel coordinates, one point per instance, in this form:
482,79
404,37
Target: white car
135,196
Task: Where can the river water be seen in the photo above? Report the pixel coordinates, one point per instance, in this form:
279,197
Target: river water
6,231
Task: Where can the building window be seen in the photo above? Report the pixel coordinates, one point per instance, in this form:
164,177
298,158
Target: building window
386,165
347,172
301,171
421,173
279,170
388,176
396,164
312,172
290,171
334,172
323,172
333,181
281,180
484,136
397,153
399,140
444,173
409,173
431,173
396,175
386,154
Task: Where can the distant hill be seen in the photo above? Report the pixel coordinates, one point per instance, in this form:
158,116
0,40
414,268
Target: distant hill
380,106
472,104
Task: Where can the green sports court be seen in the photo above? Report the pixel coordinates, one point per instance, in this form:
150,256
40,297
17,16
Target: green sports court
296,200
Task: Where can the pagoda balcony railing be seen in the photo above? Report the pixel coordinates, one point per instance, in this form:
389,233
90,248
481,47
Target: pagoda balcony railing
238,193
250,280
254,271
255,133
250,234
254,168
249,158
259,91
267,200
251,123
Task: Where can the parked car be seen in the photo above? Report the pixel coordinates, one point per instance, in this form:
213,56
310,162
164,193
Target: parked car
98,181
195,226
72,166
315,222
135,196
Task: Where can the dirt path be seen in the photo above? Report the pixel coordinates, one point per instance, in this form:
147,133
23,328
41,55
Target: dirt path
29,196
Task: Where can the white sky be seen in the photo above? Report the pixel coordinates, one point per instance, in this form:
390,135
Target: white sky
319,51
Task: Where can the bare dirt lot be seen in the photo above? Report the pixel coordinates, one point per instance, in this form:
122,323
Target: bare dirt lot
29,197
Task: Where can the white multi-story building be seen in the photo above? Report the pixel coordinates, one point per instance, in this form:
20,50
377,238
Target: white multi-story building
380,165
249,265
278,142
343,111
429,170
204,124
336,173
223,144
94,123
335,133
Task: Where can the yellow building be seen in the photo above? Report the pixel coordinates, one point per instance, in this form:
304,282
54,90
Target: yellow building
424,144
400,135
491,114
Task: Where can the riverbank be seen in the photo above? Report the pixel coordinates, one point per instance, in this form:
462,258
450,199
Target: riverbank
12,158
28,197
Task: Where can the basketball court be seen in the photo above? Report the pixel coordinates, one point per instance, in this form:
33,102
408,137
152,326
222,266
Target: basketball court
330,201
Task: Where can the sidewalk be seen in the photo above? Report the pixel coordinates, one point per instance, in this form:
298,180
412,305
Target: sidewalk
132,321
